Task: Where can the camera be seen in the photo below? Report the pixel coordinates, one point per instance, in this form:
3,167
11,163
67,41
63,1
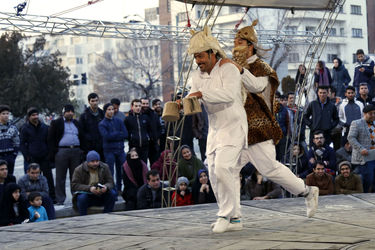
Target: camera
100,186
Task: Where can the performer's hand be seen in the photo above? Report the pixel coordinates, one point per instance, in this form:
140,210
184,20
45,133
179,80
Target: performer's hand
227,60
312,160
259,198
259,179
198,94
364,152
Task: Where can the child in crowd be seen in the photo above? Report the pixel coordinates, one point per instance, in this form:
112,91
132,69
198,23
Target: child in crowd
183,195
13,209
37,211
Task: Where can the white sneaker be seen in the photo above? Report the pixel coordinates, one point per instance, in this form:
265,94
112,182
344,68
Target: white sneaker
221,225
235,226
311,201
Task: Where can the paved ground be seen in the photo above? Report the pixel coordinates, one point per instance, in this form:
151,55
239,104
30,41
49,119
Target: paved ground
342,222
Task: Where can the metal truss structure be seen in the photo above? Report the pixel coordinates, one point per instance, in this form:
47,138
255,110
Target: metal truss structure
48,25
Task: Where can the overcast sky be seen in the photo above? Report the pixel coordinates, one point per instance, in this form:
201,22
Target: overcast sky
107,10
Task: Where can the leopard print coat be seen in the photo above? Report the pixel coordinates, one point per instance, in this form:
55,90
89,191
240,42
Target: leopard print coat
262,123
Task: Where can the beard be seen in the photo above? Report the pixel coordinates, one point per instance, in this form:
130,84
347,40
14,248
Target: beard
240,55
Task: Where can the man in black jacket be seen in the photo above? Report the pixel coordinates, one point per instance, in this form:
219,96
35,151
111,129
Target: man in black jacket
64,140
322,115
139,129
34,146
149,195
153,149
89,122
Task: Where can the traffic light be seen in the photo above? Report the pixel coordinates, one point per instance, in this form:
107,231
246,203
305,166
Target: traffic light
83,78
75,80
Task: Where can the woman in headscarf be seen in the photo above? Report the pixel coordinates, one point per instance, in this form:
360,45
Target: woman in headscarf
134,177
322,76
13,208
166,155
340,77
188,164
202,190
300,74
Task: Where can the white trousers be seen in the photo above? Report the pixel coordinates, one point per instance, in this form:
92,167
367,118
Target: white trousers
224,173
263,156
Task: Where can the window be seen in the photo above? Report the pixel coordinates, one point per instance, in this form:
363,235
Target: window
333,32
169,6
181,17
291,30
341,10
198,14
91,58
357,33
293,58
330,57
342,32
310,29
206,13
79,60
355,9
354,58
156,49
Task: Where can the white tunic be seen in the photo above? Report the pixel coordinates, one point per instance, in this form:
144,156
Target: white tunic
221,91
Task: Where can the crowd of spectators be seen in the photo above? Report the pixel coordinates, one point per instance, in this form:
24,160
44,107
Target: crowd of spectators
338,156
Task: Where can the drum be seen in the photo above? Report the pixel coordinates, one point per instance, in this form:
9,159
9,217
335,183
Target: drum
191,105
171,112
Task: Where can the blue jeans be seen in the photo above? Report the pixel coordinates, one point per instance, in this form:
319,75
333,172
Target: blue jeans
118,158
367,173
86,200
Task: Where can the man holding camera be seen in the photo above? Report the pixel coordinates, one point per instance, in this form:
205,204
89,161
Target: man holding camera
322,153
92,185
363,71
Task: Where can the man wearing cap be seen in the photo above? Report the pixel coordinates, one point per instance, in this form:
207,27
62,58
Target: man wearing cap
64,142
9,139
92,185
362,138
347,182
34,146
220,91
260,84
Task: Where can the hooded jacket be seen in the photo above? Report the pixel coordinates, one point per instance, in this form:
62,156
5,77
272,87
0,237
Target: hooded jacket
359,77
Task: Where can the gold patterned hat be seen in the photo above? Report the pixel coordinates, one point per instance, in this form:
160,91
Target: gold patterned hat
249,33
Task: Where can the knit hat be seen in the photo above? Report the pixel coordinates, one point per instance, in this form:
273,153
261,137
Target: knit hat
180,180
67,108
31,111
202,41
366,109
92,156
105,107
4,107
345,163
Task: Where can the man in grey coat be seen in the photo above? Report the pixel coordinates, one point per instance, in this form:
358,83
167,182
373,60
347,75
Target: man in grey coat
362,138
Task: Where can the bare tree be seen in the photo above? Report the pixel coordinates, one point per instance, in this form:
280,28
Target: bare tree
130,71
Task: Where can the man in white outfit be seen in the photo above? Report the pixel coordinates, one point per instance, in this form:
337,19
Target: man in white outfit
260,84
219,88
